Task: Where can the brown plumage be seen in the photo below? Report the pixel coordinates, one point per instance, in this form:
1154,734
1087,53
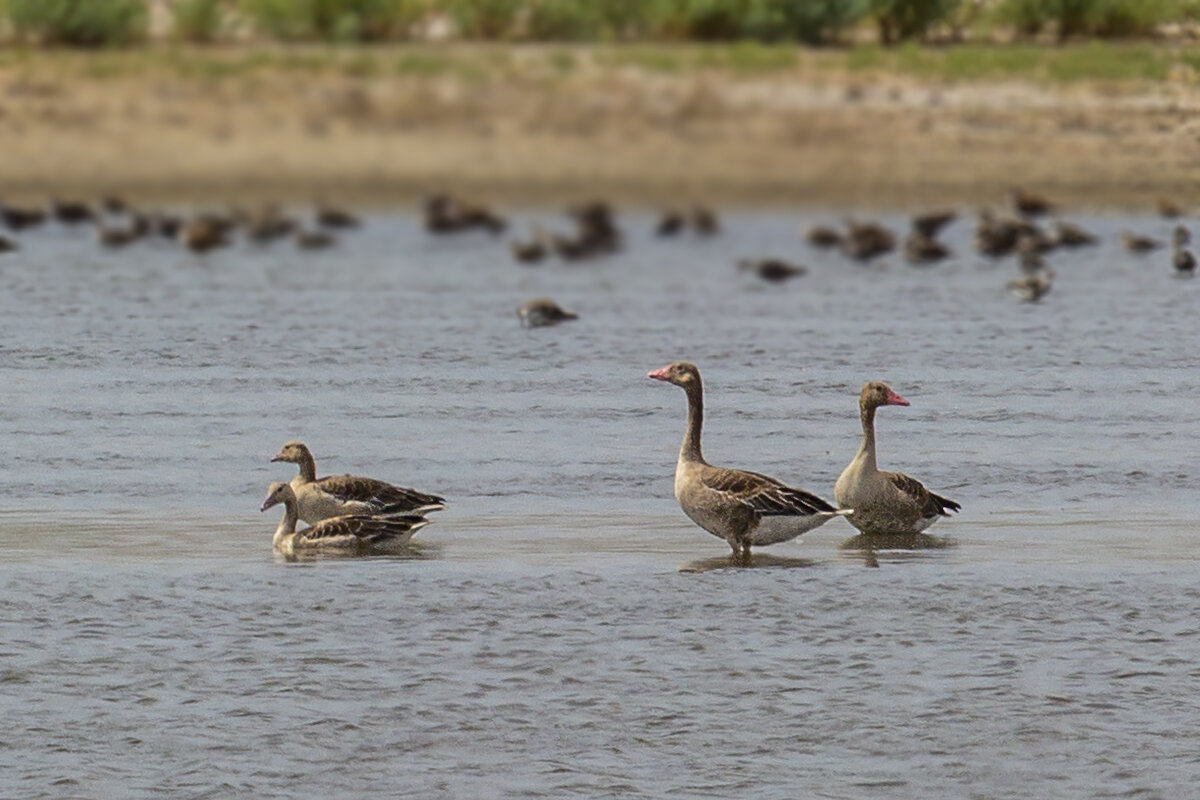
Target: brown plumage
337,495
885,502
349,534
744,508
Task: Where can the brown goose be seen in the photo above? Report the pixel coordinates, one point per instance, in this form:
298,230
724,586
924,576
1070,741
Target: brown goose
541,312
1028,204
704,221
337,495
347,534
743,508
1182,258
885,502
823,236
1137,243
774,270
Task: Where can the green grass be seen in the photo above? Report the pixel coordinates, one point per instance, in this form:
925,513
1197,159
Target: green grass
1106,62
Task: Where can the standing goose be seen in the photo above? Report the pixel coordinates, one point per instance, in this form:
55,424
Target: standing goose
351,533
885,502
337,495
743,508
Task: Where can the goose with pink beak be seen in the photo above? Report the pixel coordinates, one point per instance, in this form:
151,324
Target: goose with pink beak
885,503
743,508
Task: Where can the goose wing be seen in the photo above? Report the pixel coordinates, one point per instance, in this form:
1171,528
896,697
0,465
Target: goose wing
764,495
361,530
930,504
383,497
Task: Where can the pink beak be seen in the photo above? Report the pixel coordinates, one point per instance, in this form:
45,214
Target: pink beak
895,399
658,374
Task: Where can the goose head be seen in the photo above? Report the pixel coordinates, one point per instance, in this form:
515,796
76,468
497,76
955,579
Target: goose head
681,373
278,492
292,452
878,393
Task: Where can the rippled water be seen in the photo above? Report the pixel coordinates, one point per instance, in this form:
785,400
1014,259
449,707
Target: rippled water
563,629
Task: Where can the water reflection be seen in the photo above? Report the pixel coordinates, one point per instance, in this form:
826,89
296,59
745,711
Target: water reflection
410,552
755,561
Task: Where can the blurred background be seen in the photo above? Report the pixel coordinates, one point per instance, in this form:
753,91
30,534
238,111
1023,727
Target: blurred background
853,102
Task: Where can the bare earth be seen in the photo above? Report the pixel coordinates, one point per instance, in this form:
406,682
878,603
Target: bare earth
530,134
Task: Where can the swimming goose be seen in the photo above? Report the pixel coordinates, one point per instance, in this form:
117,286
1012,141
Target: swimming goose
350,533
1032,286
7,245
823,236
1071,235
922,249
704,221
930,223
1029,204
542,312
1137,243
1182,258
743,508
884,502
336,495
774,270
669,223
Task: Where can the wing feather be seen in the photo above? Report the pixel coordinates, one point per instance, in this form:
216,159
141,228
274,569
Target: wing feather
764,495
383,497
930,503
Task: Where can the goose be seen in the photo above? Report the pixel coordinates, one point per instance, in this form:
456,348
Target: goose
314,240
774,270
7,245
71,212
1137,243
704,221
332,217
743,508
823,236
1168,208
867,240
1071,235
920,248
336,495
931,223
884,502
1029,204
1032,286
542,312
532,250
349,533
669,223
1182,258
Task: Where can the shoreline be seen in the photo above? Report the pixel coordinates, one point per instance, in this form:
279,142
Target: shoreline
516,127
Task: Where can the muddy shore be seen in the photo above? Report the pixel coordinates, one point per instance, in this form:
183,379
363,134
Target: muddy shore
528,132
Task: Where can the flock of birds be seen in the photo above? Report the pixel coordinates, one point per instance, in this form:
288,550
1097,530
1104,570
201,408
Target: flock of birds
351,514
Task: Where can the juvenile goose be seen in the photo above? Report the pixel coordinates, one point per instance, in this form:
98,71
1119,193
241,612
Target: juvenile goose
884,502
743,508
337,495
347,534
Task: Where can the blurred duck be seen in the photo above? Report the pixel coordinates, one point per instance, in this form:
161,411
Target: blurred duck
922,249
349,534
670,222
930,224
772,269
1182,258
1169,209
114,238
332,217
867,240
447,214
1068,234
532,250
704,221
823,236
204,232
71,212
1032,288
543,312
1136,243
1028,204
314,240
17,219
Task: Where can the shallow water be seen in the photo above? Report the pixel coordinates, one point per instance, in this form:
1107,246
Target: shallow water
563,629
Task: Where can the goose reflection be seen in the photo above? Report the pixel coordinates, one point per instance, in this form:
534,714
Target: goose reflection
753,561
